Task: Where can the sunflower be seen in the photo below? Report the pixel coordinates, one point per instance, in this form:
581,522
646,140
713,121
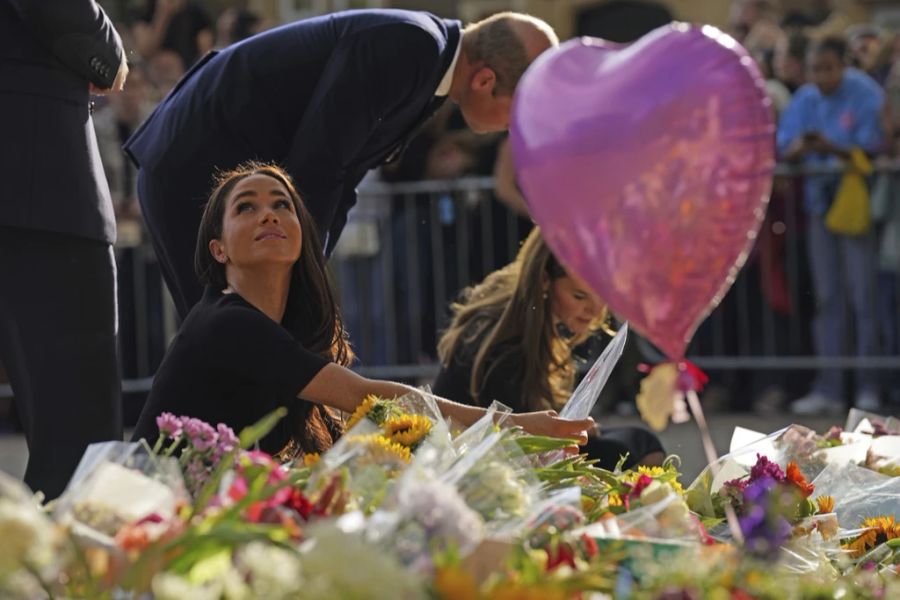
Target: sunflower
661,474
452,583
362,411
380,449
825,504
407,430
878,531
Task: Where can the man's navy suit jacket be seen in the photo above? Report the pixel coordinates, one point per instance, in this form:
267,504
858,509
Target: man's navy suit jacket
328,98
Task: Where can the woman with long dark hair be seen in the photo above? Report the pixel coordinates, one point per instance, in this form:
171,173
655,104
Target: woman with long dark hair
267,332
511,340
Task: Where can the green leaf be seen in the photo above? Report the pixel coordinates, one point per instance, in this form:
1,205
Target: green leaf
212,486
210,567
538,444
253,433
710,522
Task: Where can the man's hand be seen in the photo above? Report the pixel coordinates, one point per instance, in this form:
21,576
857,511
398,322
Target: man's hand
118,83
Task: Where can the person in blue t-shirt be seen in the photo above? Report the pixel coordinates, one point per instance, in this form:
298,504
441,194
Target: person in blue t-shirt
839,109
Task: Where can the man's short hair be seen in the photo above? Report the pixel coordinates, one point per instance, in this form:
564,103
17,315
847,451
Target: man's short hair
835,44
494,42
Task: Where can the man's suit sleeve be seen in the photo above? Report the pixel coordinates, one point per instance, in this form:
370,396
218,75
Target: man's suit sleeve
78,33
370,74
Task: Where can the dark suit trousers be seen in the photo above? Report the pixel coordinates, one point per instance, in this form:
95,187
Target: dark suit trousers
173,227
58,344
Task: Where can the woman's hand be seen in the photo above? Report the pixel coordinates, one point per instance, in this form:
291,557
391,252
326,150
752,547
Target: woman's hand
548,422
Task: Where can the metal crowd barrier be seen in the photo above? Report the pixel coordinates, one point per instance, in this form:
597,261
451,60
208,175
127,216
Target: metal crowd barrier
409,248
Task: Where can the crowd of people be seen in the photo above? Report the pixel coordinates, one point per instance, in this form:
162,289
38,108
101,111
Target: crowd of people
835,89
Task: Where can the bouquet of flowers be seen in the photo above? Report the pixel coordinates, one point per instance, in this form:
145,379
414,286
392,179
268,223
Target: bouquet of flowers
381,439
34,548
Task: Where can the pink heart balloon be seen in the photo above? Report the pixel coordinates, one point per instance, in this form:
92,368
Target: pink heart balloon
648,168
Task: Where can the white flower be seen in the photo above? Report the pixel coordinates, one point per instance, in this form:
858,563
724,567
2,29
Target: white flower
234,587
168,586
29,537
273,572
495,490
21,586
343,565
439,509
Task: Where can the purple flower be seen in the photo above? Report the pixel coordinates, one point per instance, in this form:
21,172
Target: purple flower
169,425
227,440
200,435
764,527
834,433
196,474
766,468
879,429
736,485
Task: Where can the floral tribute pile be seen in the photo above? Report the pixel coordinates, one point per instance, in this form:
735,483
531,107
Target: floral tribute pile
408,506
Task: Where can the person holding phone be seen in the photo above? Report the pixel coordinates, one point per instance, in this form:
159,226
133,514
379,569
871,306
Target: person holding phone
839,109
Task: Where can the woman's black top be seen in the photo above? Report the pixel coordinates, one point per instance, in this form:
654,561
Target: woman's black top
231,364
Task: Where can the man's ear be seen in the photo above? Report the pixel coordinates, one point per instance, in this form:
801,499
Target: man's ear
484,80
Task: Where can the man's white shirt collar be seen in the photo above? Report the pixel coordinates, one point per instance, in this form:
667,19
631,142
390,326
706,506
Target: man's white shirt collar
444,87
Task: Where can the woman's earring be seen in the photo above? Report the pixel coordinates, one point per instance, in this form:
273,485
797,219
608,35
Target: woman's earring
546,295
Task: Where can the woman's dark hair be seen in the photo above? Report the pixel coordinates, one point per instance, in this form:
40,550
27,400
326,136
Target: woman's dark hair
311,316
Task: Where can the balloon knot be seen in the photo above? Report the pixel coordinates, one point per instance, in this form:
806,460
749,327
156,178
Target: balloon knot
690,377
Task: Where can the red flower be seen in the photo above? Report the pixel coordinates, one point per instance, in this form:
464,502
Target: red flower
590,546
793,475
299,503
560,554
705,538
635,490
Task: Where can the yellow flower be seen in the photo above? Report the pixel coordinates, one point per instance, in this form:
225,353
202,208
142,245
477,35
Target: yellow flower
380,449
517,591
311,459
407,430
614,499
825,504
651,471
657,473
878,531
890,470
753,578
361,411
455,584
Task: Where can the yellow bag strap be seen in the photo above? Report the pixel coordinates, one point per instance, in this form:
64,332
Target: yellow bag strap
859,162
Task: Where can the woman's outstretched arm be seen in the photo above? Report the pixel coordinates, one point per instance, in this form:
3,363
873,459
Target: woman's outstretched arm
341,388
